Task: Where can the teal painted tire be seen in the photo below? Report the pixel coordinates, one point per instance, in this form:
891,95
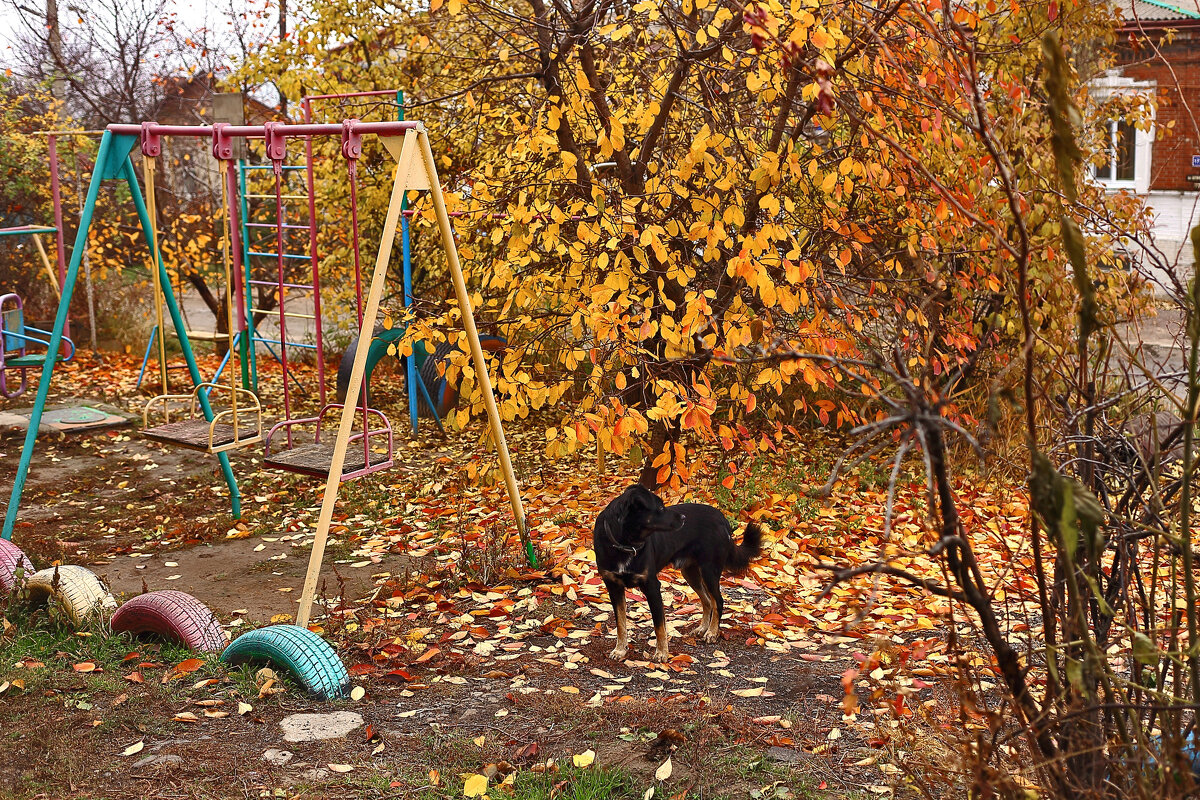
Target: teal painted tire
304,654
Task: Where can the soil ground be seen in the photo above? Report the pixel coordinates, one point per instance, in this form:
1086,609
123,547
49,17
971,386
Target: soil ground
467,656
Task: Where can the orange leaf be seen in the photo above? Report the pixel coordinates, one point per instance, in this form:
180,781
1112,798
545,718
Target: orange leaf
188,665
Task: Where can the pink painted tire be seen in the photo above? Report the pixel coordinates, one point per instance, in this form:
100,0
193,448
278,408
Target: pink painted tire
11,559
172,615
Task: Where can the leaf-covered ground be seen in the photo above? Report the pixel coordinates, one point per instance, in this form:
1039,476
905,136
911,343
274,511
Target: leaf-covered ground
453,636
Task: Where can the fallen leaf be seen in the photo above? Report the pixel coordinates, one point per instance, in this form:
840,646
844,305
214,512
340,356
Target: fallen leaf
188,665
340,767
664,771
475,785
136,747
357,693
584,759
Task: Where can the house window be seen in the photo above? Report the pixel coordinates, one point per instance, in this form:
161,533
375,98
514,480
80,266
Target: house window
1117,163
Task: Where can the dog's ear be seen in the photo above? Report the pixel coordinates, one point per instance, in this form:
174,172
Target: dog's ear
615,514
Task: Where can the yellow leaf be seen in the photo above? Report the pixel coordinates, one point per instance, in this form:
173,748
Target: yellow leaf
584,759
664,771
475,786
136,747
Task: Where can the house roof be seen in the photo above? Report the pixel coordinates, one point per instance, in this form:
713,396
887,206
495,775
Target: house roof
1159,11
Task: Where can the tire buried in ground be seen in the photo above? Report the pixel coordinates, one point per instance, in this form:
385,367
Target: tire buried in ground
12,558
76,590
304,654
172,615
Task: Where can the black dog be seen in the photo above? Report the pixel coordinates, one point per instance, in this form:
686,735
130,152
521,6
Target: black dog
637,536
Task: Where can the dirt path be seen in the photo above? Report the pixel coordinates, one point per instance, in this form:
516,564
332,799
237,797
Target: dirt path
253,578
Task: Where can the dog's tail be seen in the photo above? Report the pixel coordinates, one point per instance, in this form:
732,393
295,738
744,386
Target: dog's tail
748,550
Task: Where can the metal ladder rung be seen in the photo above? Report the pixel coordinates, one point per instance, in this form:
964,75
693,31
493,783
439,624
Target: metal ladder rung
272,197
287,226
275,312
265,340
285,255
267,166
286,285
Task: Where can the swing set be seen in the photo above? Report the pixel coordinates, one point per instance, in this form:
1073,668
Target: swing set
237,423
16,335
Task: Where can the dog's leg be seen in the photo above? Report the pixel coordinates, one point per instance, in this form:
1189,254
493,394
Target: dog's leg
691,573
616,593
712,582
653,591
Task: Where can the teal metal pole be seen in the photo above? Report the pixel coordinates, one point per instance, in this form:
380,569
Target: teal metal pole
139,203
60,320
251,340
410,368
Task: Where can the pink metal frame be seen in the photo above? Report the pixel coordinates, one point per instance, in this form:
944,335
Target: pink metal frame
275,136
368,467
13,343
306,103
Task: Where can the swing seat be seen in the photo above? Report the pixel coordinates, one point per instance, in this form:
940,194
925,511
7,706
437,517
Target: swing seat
15,338
315,458
227,430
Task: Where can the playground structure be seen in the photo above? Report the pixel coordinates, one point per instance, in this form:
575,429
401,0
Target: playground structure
15,334
279,251
82,599
408,145
15,339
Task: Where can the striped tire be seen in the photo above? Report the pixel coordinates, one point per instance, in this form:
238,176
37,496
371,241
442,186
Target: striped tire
301,652
172,615
445,397
76,589
11,559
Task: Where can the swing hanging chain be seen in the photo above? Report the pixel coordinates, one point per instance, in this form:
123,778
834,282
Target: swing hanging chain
351,150
222,150
151,149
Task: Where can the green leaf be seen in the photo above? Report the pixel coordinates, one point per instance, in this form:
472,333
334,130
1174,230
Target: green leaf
1144,650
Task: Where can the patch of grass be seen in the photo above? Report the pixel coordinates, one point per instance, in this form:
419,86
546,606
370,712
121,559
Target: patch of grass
594,783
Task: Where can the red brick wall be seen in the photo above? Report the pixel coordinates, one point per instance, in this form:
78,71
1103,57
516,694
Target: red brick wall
1171,159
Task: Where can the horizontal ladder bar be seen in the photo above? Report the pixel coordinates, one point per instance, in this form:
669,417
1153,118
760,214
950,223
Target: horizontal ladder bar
24,229
275,312
285,255
272,197
308,286
284,225
265,340
268,166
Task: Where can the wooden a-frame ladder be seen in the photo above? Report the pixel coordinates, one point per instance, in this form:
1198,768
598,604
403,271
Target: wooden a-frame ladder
415,171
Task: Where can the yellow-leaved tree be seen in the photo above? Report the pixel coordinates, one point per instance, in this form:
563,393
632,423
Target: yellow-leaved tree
658,198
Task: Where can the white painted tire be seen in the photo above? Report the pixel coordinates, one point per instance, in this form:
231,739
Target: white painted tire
76,590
